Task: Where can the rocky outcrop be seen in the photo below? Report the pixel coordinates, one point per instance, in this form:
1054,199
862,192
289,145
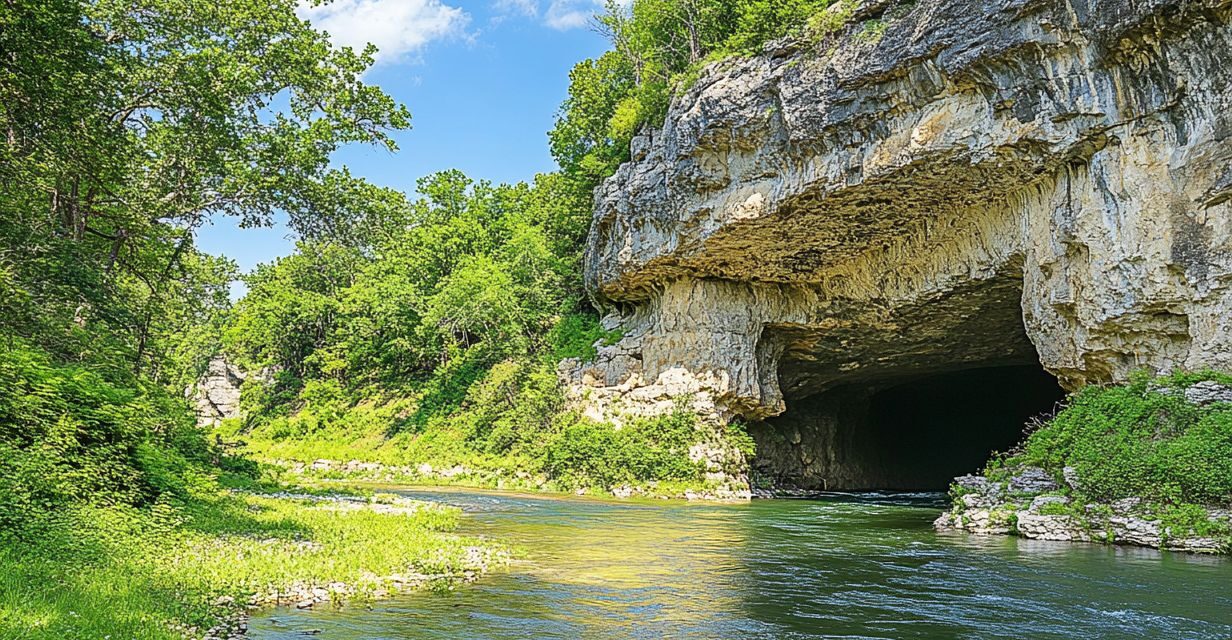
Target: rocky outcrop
1031,504
971,183
216,396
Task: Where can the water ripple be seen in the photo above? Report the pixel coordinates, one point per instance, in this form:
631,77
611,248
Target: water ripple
854,566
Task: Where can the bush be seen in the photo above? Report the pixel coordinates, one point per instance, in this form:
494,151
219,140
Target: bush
589,453
575,335
67,436
1143,440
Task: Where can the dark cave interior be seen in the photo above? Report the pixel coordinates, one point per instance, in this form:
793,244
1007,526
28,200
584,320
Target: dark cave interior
906,433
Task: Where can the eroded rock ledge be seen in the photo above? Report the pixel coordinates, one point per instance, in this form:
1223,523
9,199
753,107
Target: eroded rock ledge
986,184
1031,504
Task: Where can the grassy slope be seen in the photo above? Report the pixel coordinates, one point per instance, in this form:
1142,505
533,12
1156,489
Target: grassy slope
125,573
650,456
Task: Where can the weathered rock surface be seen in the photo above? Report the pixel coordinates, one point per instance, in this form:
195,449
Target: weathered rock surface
1207,392
216,396
989,183
1025,505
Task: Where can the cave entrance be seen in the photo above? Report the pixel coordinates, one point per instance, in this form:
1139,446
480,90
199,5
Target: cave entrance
914,432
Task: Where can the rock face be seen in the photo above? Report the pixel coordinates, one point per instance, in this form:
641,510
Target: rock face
216,396
983,183
1027,504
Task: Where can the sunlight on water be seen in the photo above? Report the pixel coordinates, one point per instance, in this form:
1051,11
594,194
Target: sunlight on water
849,566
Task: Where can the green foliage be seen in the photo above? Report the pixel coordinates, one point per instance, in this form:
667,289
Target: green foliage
587,454
658,46
497,421
832,20
582,139
1183,520
291,308
575,336
437,343
760,21
467,266
1142,440
69,436
737,434
1060,509
127,128
871,31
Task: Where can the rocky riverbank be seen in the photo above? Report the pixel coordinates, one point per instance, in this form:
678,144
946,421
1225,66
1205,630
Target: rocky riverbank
1030,503
717,489
1143,464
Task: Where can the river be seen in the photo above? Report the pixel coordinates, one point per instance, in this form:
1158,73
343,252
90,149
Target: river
846,566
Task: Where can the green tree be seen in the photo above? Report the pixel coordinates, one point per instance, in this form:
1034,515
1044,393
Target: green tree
657,45
128,124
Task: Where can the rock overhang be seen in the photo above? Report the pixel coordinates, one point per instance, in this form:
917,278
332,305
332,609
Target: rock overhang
989,182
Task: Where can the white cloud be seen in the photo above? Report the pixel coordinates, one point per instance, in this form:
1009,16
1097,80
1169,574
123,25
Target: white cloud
528,8
566,14
398,28
573,14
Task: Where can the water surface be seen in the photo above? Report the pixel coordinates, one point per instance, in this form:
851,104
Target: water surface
846,566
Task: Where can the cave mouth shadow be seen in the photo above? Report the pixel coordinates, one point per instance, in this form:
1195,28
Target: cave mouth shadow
911,433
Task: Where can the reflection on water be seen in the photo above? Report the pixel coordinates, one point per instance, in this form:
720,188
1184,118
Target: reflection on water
849,566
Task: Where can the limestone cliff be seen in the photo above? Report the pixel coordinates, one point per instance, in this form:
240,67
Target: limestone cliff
216,395
969,184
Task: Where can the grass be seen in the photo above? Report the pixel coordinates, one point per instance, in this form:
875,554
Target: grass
176,570
650,456
1141,439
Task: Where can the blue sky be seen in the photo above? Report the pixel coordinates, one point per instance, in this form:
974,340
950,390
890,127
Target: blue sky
482,79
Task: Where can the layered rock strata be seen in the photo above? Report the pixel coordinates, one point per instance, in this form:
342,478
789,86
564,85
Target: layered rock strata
938,186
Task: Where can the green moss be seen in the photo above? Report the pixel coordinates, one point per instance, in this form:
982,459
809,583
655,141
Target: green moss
871,31
830,20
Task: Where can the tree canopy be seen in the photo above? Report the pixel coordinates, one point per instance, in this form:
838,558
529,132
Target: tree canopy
126,126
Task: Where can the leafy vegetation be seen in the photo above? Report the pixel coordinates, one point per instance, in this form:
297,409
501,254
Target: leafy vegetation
127,126
170,570
68,436
1144,443
658,48
1142,439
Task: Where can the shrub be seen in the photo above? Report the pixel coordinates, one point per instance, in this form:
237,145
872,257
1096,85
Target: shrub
67,436
575,335
588,453
1143,440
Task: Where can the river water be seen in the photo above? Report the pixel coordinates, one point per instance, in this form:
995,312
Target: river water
846,566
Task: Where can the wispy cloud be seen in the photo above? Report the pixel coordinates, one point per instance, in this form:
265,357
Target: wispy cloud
528,8
398,28
570,14
558,14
